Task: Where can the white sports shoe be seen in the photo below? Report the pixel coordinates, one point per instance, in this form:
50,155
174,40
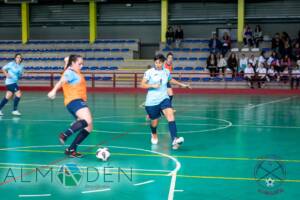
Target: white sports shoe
16,113
1,113
177,142
154,140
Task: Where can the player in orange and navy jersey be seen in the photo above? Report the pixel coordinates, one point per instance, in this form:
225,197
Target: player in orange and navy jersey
75,97
169,66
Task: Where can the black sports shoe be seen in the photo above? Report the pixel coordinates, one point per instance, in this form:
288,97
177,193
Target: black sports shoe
62,138
73,153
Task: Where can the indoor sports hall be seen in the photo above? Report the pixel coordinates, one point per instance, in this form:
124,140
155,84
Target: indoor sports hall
233,67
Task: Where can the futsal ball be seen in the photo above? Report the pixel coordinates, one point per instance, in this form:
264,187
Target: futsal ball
103,154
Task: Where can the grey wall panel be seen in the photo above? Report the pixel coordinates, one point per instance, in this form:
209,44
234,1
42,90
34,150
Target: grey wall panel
59,32
10,13
147,33
10,33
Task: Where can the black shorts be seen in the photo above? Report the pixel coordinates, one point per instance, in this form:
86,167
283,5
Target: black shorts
169,85
154,112
76,105
12,87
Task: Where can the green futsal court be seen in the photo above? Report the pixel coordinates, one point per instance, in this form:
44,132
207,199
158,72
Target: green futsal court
236,147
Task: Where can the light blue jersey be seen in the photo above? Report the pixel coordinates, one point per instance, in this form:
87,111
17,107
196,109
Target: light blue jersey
154,76
15,72
71,77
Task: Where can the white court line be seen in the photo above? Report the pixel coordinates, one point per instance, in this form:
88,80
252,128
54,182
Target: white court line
178,190
94,191
270,102
34,195
143,183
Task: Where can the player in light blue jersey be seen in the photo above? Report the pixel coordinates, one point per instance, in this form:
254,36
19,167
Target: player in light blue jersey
156,80
13,72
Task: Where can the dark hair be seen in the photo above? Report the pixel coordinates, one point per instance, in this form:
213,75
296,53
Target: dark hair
159,57
18,54
170,54
73,58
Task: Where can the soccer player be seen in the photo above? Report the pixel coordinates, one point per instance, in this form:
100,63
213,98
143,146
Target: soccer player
74,89
169,66
13,72
158,100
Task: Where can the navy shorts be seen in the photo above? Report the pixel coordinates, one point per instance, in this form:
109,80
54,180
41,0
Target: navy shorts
154,112
169,85
12,87
76,105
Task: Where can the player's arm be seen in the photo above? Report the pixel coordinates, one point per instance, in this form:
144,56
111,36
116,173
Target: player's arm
5,71
145,85
57,87
173,81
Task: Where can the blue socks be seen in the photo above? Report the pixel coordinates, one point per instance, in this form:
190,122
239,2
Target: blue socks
173,130
3,102
79,138
153,129
76,126
16,102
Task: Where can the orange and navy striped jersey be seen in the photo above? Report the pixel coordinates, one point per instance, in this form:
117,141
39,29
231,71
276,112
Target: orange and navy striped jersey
74,87
168,67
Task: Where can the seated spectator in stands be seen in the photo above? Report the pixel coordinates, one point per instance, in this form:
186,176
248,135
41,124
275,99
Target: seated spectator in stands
214,44
170,36
273,61
226,43
296,52
178,36
222,64
297,40
295,76
212,65
232,63
249,75
277,45
243,63
261,74
262,58
285,67
287,44
248,36
271,74
258,35
253,61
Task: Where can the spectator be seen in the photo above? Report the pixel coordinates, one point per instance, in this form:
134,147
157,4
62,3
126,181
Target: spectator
273,61
261,72
296,52
249,75
285,66
178,36
271,75
212,65
170,36
226,43
222,64
262,58
232,63
253,61
277,45
215,44
295,76
287,44
258,35
243,63
248,36
297,39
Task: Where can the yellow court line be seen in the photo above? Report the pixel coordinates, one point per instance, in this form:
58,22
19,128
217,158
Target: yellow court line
153,155
182,176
